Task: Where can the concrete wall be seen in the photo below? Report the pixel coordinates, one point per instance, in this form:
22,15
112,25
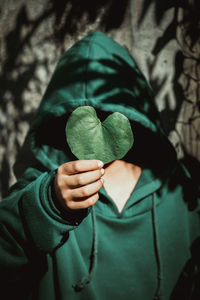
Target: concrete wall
34,34
166,46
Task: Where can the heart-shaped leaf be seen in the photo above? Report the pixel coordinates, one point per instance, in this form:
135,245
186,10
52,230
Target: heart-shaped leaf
88,138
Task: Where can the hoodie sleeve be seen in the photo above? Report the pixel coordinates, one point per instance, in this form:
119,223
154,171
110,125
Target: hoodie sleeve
31,222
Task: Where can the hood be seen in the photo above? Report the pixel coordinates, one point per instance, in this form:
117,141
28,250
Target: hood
97,72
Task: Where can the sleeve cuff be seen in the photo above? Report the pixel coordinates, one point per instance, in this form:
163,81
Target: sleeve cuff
73,218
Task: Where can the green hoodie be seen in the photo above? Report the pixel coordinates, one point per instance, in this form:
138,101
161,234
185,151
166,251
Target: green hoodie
148,251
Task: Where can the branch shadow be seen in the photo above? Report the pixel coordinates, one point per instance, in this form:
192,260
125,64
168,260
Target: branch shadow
170,116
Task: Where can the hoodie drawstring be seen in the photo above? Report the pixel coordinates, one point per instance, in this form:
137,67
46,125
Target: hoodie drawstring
157,250
93,258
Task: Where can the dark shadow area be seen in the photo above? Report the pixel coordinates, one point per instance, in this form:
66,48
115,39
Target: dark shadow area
188,285
57,140
187,177
170,116
70,18
192,185
4,175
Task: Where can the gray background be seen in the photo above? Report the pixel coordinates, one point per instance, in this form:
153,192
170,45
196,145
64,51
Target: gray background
162,37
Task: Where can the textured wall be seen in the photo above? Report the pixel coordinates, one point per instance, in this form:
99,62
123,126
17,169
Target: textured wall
162,36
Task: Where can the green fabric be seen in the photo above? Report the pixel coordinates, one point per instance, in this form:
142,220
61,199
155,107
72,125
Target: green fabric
45,251
89,138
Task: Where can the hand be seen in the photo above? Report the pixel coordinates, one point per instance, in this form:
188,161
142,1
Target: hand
77,183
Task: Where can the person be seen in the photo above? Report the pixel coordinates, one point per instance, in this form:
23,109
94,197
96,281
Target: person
78,229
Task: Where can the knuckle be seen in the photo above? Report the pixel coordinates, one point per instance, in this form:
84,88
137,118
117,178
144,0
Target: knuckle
87,204
92,200
82,206
84,191
97,175
96,197
76,166
63,197
60,183
67,196
80,180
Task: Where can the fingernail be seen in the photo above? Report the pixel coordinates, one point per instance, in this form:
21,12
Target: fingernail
102,171
100,164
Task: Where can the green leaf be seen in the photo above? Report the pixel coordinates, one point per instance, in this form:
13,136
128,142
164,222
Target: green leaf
88,138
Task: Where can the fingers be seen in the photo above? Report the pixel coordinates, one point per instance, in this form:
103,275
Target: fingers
75,205
79,198
86,190
79,166
77,183
81,179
